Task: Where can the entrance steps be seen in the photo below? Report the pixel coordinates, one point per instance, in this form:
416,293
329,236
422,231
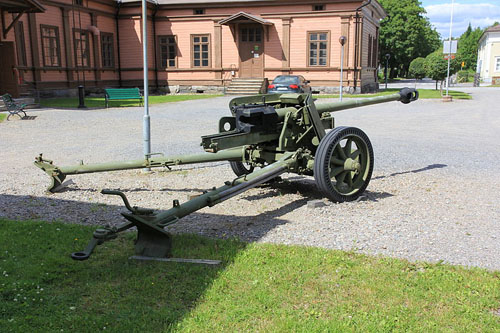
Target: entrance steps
246,86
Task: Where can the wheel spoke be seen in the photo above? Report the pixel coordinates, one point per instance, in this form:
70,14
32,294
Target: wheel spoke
336,161
348,147
334,172
341,177
349,179
341,152
355,154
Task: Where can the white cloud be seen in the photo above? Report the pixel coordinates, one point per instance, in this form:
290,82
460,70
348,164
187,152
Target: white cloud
479,15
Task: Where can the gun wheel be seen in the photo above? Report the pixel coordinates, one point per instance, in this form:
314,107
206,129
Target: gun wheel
343,164
240,168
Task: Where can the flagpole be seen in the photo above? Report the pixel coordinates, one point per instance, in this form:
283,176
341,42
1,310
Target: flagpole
449,51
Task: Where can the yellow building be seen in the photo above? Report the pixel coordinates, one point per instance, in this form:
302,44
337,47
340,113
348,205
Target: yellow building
488,58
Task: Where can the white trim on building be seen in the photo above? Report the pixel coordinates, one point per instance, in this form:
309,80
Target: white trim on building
488,57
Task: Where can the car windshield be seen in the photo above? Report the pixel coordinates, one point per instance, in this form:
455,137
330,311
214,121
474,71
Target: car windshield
286,80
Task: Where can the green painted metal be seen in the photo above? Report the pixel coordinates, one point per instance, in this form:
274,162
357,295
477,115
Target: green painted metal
58,174
266,136
122,93
356,103
152,240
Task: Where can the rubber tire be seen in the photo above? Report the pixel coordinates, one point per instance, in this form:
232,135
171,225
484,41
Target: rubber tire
322,162
240,169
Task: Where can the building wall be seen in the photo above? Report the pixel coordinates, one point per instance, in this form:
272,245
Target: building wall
285,44
369,50
489,49
495,54
61,14
302,20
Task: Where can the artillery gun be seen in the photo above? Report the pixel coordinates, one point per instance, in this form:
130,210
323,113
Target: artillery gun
266,136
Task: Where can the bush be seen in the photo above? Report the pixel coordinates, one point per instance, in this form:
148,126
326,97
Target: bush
436,67
465,76
417,68
381,77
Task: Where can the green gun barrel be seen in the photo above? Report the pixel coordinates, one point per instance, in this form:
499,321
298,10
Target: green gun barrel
405,96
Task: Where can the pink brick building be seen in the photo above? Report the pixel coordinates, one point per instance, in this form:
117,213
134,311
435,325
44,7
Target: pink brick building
56,45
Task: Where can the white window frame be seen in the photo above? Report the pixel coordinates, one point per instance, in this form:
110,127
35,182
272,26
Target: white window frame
497,64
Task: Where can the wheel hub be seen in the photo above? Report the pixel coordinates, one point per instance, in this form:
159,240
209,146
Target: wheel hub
352,165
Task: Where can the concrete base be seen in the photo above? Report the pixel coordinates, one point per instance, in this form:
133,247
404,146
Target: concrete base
447,98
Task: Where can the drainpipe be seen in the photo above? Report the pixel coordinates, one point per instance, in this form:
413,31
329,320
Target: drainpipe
356,43
119,3
155,55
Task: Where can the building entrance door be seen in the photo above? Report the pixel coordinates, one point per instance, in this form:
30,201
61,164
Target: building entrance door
251,48
8,79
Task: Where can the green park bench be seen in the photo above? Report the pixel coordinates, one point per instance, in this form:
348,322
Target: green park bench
122,93
13,107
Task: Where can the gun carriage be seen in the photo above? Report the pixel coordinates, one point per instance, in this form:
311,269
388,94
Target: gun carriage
266,136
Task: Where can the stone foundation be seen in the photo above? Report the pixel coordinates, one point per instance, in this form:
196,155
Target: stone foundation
181,89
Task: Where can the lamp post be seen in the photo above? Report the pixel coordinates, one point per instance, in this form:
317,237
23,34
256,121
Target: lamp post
342,41
387,57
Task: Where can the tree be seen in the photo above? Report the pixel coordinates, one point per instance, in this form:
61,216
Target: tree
406,34
417,68
467,47
436,67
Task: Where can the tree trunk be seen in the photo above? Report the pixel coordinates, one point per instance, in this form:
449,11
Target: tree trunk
436,84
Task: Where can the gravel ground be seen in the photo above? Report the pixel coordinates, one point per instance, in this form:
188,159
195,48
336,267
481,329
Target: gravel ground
433,196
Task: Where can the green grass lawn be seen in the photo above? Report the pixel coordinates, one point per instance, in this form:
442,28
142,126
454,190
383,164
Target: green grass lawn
258,287
98,102
3,116
423,93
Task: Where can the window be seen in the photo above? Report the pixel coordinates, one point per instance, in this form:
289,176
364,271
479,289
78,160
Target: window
50,46
375,50
199,11
370,45
79,2
372,51
251,34
497,64
318,43
108,57
200,50
167,51
20,44
82,55
318,7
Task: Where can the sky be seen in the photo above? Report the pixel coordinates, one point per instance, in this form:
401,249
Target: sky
480,13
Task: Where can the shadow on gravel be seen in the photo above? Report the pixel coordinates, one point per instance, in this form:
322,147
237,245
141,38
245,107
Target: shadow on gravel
427,168
376,196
